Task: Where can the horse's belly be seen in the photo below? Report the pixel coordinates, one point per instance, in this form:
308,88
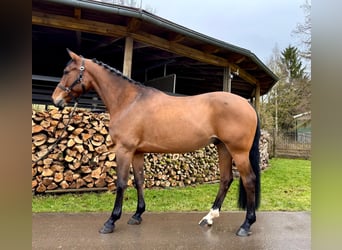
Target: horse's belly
178,143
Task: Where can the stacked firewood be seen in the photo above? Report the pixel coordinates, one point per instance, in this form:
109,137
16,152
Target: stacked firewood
81,156
170,170
81,159
264,147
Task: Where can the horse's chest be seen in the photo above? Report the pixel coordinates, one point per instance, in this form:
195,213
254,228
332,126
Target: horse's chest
121,130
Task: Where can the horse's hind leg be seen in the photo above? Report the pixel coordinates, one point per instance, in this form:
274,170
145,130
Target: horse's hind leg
226,178
138,171
247,194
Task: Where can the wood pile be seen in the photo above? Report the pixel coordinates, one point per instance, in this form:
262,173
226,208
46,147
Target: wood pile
170,170
264,147
83,159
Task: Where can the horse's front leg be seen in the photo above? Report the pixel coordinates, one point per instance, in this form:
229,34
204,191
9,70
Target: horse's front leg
138,171
124,160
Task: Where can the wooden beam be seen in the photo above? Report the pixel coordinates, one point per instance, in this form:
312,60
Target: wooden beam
71,23
257,98
210,48
239,60
105,29
176,38
77,14
227,81
133,25
105,42
127,64
243,74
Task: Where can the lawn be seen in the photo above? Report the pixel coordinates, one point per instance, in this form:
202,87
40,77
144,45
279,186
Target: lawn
285,186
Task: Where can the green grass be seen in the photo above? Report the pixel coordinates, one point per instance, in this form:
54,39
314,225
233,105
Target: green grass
286,186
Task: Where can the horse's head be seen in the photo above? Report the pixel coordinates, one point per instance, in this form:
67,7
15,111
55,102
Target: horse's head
72,84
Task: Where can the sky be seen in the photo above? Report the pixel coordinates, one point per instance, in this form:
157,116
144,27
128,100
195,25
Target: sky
256,25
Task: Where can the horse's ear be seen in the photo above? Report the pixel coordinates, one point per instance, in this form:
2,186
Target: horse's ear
73,55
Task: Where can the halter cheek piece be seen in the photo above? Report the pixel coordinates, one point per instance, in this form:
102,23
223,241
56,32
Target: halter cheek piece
77,81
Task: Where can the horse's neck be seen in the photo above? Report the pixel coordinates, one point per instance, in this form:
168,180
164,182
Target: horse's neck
115,92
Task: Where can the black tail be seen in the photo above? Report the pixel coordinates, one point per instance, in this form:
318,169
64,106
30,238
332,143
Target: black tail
254,158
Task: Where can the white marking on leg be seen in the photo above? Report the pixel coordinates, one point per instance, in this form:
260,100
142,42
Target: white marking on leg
213,213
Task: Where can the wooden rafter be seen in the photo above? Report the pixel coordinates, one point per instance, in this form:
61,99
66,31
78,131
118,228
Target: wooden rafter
101,28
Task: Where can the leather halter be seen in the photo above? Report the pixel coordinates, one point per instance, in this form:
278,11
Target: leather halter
77,81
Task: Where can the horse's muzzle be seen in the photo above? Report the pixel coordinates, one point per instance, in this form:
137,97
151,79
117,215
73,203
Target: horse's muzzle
59,103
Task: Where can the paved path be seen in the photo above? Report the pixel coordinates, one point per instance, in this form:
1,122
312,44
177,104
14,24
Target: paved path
273,231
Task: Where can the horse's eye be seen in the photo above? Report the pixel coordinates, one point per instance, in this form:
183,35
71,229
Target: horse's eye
65,72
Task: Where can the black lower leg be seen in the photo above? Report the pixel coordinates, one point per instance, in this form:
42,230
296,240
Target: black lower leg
138,171
136,218
109,225
124,159
224,187
244,230
226,174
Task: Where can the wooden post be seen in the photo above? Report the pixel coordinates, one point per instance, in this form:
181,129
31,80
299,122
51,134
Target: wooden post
77,14
127,65
227,81
257,97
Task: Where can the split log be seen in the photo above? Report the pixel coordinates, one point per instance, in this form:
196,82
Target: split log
52,186
58,177
34,183
71,143
100,182
57,168
47,181
56,115
47,172
78,140
85,169
96,173
97,140
64,184
111,156
37,128
80,183
68,176
77,131
41,188
88,178
111,186
39,139
75,165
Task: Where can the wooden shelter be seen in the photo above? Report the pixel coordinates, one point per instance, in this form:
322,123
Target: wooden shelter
145,47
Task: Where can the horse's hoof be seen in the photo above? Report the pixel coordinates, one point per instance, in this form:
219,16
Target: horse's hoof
134,221
204,223
243,232
106,229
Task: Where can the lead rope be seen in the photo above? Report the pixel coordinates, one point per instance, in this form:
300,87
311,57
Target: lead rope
61,137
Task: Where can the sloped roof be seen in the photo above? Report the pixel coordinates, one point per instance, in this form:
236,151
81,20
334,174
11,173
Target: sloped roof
96,29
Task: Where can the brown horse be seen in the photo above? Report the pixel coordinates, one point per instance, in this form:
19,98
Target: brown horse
143,119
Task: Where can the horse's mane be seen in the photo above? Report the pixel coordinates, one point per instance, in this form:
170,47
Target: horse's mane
116,72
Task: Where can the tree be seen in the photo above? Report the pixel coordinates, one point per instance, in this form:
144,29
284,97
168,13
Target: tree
292,64
303,31
290,96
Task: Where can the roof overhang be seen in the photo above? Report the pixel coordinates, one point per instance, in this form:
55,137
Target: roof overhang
97,29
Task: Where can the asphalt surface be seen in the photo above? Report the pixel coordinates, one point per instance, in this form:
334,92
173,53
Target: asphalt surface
272,230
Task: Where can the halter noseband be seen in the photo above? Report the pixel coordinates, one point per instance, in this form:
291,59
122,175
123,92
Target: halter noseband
77,81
